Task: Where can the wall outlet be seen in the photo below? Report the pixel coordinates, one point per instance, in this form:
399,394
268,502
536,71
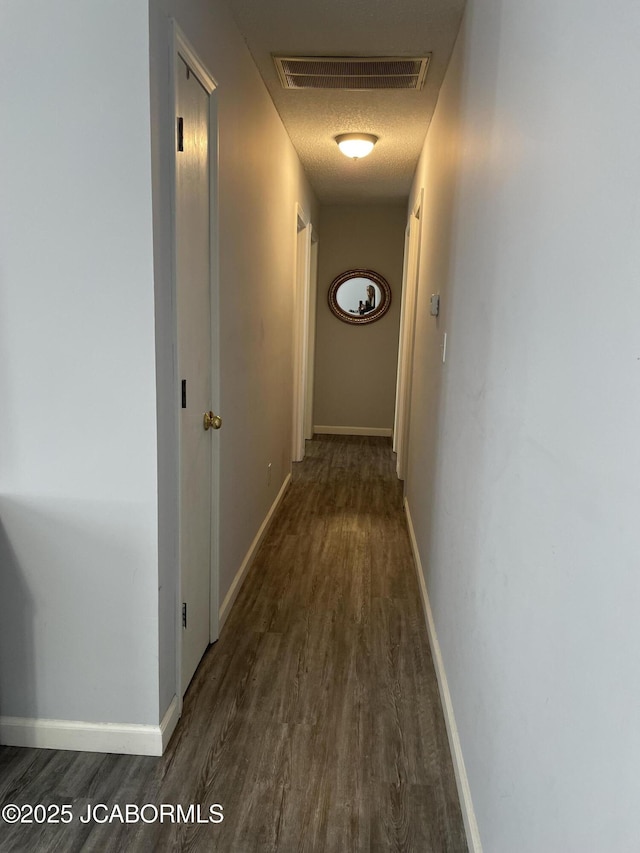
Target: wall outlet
269,474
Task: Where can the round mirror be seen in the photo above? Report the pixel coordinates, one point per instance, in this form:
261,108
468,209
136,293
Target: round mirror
359,296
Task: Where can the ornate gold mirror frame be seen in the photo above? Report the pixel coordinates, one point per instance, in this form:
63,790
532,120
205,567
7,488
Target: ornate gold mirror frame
359,296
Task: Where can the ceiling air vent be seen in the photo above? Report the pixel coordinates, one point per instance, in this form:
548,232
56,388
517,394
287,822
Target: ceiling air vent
351,72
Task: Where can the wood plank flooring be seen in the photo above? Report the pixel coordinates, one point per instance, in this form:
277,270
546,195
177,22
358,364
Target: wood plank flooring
315,720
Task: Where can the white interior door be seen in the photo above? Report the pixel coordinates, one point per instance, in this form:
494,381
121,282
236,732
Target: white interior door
311,337
407,337
301,333
193,297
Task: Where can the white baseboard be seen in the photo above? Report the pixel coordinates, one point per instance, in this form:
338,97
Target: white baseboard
462,782
169,722
234,589
79,736
347,430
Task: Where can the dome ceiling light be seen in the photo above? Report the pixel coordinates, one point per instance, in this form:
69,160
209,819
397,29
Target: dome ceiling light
356,145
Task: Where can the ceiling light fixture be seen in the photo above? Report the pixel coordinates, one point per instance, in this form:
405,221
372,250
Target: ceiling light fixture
356,145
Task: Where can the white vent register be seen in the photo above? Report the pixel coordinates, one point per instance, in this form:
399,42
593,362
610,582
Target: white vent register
351,72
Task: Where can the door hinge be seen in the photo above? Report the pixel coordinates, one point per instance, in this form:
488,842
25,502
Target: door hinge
180,133
184,614
184,393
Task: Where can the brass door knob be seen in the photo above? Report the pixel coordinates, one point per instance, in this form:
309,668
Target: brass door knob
212,421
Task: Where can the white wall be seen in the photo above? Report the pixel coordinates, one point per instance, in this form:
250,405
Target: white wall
78,517
525,488
261,181
88,496
355,366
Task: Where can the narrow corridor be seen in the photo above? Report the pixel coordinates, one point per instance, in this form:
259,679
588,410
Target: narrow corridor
315,721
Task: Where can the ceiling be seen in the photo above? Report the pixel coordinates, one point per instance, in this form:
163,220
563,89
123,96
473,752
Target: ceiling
313,117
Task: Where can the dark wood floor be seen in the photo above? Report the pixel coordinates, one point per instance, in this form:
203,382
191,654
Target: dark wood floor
315,720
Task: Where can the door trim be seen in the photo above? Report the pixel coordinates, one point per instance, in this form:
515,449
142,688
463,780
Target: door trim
181,47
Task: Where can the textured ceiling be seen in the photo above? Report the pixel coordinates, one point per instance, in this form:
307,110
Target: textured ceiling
313,118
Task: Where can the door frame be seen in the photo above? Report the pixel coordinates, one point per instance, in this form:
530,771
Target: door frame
181,47
301,302
410,277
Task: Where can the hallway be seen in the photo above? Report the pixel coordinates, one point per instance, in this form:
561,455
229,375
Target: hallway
315,721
